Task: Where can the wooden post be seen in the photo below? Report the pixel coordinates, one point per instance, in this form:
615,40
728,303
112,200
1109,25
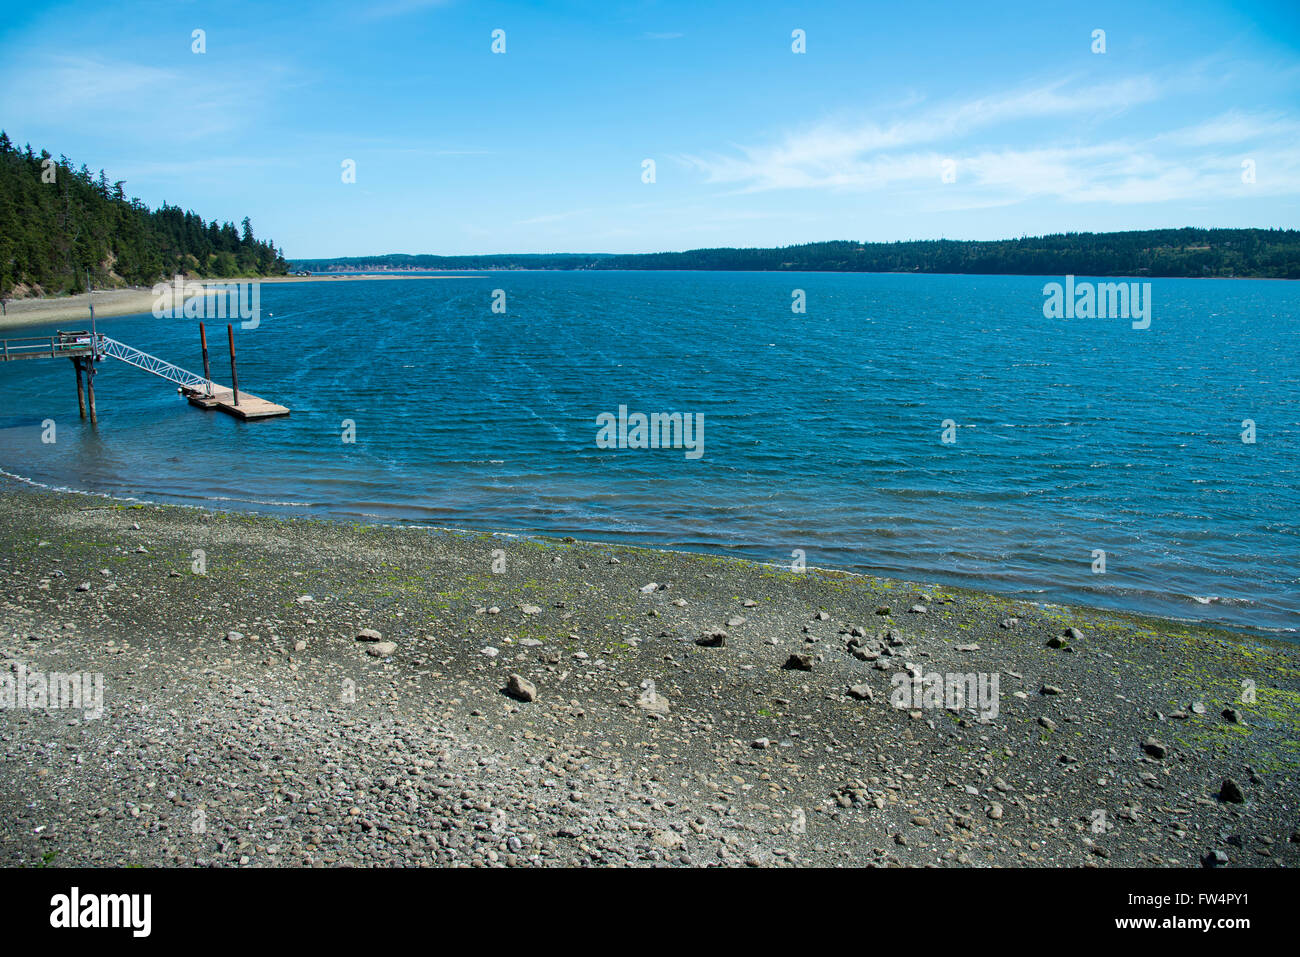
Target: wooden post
81,389
90,389
207,372
234,379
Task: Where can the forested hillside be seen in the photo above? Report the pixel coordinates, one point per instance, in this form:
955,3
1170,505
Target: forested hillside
1241,253
57,223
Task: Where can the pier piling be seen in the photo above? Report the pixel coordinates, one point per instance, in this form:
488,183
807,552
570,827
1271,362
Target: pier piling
81,388
90,389
234,379
207,371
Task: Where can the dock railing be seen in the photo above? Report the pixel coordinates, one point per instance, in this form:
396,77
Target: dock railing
58,346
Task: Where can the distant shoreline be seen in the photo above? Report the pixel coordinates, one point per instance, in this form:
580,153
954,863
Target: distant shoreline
1188,252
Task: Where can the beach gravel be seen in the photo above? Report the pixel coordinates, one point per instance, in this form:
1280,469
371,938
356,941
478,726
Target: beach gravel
359,720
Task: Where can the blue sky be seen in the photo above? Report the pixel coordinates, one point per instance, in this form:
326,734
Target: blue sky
540,149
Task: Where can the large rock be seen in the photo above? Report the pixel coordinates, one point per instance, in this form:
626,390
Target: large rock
521,688
1230,792
653,702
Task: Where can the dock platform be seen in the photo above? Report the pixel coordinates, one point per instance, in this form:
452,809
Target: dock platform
222,399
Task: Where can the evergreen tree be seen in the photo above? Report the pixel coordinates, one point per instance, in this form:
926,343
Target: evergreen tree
53,233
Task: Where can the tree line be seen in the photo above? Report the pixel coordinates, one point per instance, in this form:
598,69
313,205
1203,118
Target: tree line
59,225
1187,252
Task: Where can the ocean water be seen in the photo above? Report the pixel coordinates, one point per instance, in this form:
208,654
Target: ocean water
823,431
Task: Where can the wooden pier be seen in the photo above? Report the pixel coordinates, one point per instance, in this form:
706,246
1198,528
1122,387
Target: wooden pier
85,349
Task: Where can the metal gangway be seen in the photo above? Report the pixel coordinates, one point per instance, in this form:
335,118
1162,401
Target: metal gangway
104,346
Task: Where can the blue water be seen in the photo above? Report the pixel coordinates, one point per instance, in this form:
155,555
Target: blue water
822,431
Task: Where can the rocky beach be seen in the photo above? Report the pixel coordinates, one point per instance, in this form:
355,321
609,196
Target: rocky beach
288,692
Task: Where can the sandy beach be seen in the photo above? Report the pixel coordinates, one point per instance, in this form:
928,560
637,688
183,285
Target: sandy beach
137,299
285,692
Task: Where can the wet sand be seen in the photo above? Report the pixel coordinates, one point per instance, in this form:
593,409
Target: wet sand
137,299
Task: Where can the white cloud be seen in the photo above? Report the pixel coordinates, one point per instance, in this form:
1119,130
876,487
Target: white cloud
1069,155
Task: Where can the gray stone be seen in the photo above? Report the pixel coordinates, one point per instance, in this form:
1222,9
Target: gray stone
799,663
521,688
1230,792
653,702
714,638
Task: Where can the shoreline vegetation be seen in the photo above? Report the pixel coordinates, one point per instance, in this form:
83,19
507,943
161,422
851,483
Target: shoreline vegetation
62,229
376,695
1162,253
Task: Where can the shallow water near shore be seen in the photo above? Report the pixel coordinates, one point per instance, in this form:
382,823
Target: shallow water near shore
823,431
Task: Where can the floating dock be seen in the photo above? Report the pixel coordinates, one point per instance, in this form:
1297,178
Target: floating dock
222,398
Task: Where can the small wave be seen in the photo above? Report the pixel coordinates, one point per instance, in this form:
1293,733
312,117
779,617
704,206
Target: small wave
258,501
